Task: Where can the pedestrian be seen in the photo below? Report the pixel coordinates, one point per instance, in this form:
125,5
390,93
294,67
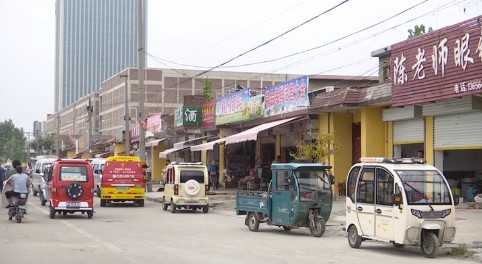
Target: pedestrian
214,174
12,171
2,177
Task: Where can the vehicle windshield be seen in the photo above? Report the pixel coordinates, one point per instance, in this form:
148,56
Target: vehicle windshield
424,187
314,185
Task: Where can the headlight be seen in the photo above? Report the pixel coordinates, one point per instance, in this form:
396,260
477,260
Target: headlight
416,213
446,212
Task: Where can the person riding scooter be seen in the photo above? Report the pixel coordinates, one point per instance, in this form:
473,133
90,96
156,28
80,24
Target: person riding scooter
20,183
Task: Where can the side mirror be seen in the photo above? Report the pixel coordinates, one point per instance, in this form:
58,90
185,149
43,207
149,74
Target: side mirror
456,199
397,199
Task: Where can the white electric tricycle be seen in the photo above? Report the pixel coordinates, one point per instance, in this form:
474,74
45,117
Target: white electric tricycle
400,201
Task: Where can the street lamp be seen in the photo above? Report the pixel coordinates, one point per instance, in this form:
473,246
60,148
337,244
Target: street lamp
126,115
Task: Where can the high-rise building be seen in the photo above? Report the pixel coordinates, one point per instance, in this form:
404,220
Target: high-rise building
37,129
95,39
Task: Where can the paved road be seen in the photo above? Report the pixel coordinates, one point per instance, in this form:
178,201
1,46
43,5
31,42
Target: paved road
125,234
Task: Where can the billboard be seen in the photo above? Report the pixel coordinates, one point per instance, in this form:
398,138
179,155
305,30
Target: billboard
287,97
232,108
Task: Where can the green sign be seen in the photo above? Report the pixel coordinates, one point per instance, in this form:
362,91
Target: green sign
188,116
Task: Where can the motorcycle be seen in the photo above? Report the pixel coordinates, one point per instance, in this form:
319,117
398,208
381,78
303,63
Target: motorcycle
19,209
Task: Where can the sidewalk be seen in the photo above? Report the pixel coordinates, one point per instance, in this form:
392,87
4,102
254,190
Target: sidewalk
468,220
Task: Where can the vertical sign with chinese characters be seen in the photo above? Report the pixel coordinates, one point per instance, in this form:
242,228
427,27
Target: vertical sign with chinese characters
209,114
154,123
287,97
178,117
438,65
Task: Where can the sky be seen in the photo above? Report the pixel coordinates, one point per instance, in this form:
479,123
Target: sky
329,37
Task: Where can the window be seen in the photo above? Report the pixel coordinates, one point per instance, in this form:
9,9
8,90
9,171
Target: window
425,186
365,186
384,187
73,173
283,184
186,175
352,178
314,185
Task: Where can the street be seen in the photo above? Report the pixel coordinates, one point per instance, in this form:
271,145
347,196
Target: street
129,234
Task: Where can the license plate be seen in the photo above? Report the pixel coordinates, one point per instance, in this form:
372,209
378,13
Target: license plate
122,188
192,201
23,207
73,204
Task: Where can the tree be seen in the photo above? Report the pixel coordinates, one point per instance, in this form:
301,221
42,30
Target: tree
43,144
419,30
316,149
207,90
12,141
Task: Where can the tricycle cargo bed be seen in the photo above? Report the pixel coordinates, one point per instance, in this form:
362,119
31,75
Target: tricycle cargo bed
252,201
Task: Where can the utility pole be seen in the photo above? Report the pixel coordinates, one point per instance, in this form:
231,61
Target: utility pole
141,60
58,151
90,110
126,115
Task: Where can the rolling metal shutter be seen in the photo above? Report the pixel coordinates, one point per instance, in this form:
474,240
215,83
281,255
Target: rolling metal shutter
460,130
408,131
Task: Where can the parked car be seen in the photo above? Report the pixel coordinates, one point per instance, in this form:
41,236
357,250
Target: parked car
186,186
98,167
71,187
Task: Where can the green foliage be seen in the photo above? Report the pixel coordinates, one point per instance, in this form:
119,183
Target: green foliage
207,90
43,144
418,30
12,141
460,251
316,149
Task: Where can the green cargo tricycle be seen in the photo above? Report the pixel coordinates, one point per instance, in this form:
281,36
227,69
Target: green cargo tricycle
299,195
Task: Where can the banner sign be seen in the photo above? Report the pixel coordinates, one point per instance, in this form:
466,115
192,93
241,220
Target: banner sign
256,107
287,97
188,116
438,65
154,123
232,108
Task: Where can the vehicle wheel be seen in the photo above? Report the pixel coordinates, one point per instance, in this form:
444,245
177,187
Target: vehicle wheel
317,228
102,203
206,209
19,217
398,245
140,203
253,222
164,204
34,192
353,238
173,208
42,200
430,245
10,216
286,228
52,212
90,214
98,191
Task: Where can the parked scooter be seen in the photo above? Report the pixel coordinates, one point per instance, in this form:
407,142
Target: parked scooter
19,208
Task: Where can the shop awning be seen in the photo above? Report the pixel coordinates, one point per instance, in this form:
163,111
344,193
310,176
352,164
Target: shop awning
166,152
208,145
154,143
187,142
252,133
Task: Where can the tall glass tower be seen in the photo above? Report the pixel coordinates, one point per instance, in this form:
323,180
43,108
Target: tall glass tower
95,39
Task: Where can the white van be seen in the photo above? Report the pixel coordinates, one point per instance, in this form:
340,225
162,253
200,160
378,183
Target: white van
39,182
98,167
186,186
400,201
